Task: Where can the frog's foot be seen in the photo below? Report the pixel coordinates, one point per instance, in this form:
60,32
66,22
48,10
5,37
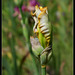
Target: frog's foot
35,31
33,14
47,49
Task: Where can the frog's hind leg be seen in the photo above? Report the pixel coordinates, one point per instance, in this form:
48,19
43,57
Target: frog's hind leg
47,49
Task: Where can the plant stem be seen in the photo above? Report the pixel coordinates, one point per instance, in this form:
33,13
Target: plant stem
27,36
39,65
43,70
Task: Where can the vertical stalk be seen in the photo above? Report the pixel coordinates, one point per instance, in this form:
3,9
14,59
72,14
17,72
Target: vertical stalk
26,35
43,70
39,65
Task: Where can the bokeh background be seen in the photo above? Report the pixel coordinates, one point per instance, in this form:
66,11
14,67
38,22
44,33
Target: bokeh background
16,57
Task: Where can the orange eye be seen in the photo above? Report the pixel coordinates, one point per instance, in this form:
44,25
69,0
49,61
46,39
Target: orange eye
41,8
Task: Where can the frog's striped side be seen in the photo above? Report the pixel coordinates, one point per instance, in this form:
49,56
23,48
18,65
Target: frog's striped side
43,24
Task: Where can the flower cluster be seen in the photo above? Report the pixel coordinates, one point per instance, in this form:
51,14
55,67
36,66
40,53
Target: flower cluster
28,8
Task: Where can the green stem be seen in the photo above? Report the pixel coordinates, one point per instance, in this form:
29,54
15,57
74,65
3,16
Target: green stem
26,35
39,65
43,70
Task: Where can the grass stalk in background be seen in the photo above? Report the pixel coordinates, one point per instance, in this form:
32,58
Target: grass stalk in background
6,66
12,40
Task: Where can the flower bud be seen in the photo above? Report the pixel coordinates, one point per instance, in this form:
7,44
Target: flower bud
36,46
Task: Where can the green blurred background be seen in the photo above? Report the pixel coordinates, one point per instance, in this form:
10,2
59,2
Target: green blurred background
16,58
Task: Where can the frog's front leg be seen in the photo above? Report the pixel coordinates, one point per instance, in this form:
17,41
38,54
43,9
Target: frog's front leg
35,29
33,14
35,25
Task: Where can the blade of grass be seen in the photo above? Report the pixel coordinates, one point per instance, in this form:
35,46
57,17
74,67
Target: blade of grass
12,40
13,52
6,65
